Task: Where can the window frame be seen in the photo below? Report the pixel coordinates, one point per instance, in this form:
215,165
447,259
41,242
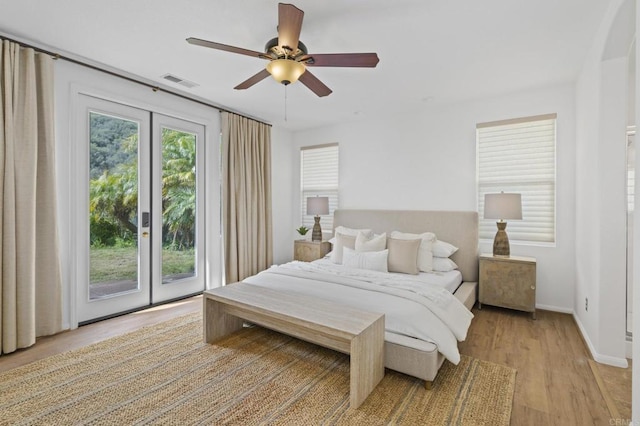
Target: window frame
331,191
487,227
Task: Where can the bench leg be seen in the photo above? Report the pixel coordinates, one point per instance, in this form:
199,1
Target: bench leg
367,362
217,322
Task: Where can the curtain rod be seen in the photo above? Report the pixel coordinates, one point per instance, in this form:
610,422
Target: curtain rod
155,88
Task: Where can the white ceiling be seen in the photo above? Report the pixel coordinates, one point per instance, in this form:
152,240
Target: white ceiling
431,51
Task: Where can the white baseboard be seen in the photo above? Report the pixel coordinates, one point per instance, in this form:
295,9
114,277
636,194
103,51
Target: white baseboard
603,359
610,360
554,309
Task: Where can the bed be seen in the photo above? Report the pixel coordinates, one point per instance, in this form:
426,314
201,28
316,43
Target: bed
403,351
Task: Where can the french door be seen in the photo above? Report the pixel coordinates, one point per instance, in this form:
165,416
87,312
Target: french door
141,237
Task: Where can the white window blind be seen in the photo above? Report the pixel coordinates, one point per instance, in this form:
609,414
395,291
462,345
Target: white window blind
519,156
319,177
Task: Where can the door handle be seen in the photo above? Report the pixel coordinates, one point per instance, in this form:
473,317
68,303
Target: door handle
145,234
145,219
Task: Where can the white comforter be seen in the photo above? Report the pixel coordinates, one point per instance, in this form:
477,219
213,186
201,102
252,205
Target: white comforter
412,307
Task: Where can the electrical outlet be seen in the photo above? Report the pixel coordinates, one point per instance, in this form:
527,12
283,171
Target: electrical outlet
586,304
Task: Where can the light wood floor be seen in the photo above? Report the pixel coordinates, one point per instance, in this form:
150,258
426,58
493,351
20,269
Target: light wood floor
554,383
92,333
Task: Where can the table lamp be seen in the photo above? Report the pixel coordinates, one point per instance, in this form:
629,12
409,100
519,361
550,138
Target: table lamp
317,206
502,206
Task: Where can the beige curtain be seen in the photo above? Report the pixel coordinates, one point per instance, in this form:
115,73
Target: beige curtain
30,295
246,153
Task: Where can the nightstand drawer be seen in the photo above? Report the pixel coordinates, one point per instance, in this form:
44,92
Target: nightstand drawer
308,251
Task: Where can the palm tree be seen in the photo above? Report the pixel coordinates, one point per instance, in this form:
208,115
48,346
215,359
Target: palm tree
179,187
114,194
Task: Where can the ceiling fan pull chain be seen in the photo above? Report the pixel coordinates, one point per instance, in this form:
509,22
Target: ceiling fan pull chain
285,103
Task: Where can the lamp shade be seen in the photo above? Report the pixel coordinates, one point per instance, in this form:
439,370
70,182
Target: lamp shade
285,71
502,206
317,206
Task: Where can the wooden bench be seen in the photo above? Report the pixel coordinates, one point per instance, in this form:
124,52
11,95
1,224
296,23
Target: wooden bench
357,333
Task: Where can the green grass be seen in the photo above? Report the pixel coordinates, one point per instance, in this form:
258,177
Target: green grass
178,261
121,263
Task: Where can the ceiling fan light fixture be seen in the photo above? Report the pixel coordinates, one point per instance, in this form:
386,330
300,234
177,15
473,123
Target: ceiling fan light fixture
285,71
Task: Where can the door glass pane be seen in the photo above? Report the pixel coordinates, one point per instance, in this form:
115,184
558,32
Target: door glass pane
113,205
178,205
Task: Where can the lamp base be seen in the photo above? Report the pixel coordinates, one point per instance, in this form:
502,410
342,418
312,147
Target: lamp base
501,241
317,231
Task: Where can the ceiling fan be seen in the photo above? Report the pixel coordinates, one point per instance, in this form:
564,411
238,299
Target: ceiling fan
288,56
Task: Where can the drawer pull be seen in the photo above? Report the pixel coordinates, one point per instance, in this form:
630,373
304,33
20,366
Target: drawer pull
533,287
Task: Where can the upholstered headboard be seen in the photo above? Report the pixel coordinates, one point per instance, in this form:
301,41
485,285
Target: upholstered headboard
459,228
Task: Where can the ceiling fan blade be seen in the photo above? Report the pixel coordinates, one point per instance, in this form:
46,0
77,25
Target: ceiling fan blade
225,47
315,85
367,60
289,25
253,80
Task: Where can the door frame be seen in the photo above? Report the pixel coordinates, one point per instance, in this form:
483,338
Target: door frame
163,292
72,81
88,310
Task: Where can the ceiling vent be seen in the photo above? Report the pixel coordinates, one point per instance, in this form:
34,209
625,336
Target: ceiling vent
181,81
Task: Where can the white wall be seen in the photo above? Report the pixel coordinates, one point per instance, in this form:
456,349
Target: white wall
282,205
601,117
427,160
635,391
613,208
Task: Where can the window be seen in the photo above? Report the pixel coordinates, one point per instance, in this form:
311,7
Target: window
319,176
519,156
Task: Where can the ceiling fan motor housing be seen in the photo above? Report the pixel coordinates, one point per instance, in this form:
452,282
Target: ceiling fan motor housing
276,52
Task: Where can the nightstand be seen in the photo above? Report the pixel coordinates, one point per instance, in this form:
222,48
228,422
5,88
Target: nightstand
508,282
308,251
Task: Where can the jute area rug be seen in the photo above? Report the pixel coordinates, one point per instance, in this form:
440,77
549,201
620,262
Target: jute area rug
165,374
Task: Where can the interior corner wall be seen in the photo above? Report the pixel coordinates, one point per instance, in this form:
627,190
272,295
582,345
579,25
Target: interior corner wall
426,160
587,201
601,118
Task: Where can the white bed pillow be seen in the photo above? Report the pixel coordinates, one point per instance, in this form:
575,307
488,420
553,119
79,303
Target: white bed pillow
443,249
372,260
375,243
353,231
403,255
342,241
425,252
443,264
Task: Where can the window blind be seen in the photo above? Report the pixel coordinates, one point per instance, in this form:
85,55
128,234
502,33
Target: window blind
319,177
519,156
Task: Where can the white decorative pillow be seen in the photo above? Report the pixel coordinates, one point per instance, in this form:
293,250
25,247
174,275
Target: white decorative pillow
443,249
376,243
353,232
425,254
372,260
403,255
443,264
341,242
